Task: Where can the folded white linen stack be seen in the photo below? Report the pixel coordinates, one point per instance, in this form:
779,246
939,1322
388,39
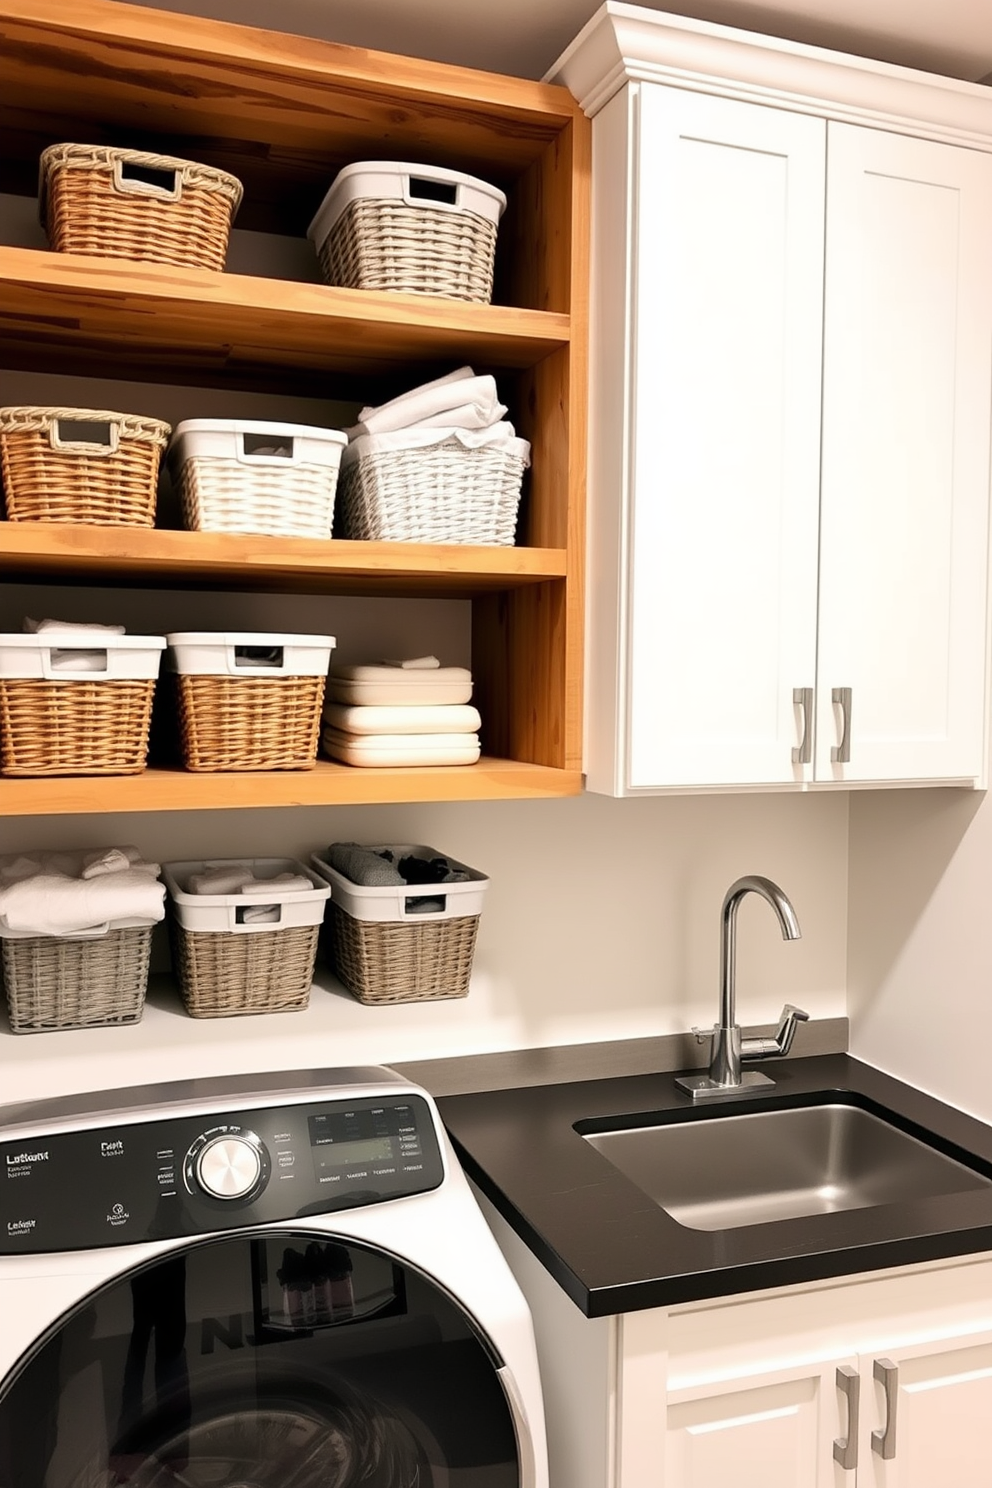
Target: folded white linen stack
401,712
74,656
460,405
78,893
235,879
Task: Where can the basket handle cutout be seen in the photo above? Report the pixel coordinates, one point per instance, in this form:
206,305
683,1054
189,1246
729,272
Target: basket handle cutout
84,436
267,446
66,659
259,656
425,904
147,180
257,914
422,188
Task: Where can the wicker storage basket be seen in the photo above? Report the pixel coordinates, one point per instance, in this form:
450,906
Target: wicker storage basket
56,721
114,203
386,949
416,229
237,476
80,465
446,492
51,983
228,967
249,701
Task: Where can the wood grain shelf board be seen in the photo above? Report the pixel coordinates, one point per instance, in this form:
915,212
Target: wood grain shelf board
139,555
114,316
326,785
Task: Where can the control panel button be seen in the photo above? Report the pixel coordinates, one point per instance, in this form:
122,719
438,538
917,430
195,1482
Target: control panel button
227,1163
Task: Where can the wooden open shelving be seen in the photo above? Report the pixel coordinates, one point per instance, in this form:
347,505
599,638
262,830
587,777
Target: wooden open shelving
284,114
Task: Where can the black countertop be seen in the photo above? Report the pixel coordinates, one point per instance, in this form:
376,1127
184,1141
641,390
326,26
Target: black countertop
613,1250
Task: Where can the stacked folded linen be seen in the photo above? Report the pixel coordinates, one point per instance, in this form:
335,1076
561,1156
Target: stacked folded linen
78,893
460,405
412,712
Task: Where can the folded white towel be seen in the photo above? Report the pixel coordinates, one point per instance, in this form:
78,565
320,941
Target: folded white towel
55,904
69,627
282,883
114,860
218,881
499,435
411,718
470,402
415,663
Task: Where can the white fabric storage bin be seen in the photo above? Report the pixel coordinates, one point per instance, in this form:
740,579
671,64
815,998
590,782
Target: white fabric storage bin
237,475
226,912
412,228
248,653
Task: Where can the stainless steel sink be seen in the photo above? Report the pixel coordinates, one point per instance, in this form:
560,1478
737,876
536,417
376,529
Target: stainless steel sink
725,1171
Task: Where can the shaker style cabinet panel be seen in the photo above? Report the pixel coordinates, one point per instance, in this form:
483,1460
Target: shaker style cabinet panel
726,312
790,417
904,509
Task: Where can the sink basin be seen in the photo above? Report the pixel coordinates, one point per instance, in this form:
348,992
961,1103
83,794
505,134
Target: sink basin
727,1170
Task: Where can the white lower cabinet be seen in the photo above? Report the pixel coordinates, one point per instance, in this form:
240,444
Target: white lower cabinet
757,1392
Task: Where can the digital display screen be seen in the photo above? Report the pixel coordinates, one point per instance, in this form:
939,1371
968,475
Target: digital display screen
342,1154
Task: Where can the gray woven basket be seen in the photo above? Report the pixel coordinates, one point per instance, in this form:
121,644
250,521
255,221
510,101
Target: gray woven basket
384,244
381,961
223,975
52,983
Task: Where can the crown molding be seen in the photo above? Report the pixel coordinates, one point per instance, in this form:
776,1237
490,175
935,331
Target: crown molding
626,43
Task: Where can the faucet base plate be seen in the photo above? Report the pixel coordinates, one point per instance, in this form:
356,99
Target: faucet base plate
701,1087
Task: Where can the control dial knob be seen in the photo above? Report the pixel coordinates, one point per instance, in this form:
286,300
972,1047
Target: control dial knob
228,1163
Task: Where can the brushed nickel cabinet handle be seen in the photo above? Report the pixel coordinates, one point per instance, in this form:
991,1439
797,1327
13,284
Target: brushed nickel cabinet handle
840,754
846,1447
883,1441
802,697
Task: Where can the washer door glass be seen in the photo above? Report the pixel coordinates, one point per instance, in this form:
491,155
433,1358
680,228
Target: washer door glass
272,1361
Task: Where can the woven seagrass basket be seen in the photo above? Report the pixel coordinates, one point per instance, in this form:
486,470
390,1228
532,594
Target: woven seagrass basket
441,493
381,961
81,465
412,250
52,983
116,203
249,723
223,975
74,727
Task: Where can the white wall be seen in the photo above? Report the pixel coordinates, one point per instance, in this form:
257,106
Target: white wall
920,965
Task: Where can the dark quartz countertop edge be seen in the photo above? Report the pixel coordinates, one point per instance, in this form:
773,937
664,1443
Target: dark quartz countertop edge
613,1250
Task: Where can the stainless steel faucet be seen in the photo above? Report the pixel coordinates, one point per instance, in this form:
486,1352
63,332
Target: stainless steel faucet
729,1049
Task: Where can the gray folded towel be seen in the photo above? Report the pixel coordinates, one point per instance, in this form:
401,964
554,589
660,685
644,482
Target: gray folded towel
363,866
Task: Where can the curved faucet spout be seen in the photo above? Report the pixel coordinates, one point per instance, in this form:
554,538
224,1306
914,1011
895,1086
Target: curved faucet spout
728,1046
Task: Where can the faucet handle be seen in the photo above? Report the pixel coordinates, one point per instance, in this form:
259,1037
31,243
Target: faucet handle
781,1041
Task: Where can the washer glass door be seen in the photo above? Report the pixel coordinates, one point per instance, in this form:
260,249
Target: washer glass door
279,1360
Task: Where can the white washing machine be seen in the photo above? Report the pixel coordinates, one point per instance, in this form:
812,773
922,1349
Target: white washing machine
275,1281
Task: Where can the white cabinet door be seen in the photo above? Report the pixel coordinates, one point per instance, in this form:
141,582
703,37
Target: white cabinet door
725,313
765,1432
930,1414
905,479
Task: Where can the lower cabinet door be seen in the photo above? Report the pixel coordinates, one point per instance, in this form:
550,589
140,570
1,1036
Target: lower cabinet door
769,1431
929,1421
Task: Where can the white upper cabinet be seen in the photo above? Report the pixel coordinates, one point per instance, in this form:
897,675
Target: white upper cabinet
791,354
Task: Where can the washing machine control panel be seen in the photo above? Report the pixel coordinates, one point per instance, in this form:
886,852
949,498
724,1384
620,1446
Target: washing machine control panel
181,1175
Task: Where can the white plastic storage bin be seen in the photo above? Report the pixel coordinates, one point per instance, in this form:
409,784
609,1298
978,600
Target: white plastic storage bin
239,953
404,942
249,700
234,475
418,229
76,705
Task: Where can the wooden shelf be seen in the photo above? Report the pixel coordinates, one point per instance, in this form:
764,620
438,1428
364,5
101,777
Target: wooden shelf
326,785
283,114
99,318
179,560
